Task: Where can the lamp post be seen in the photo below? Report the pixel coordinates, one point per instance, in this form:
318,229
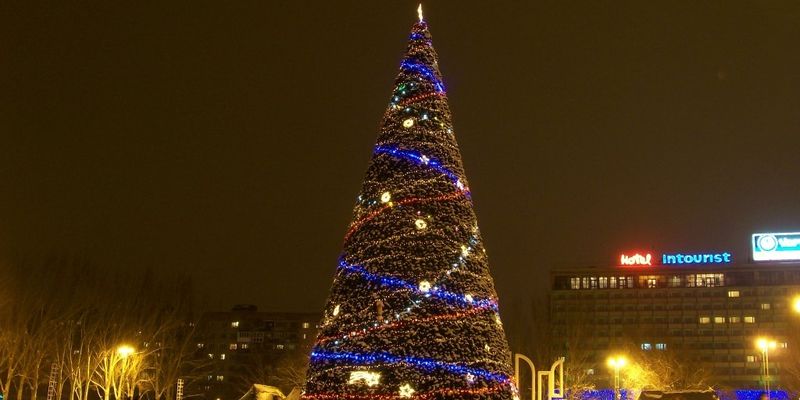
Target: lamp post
764,344
124,352
616,363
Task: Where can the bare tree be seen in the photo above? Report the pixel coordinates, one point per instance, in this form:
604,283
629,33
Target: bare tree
72,314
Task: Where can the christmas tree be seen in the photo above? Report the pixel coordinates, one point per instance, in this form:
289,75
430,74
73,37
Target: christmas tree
413,311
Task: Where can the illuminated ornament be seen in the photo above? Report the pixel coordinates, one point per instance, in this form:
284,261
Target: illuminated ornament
385,197
470,378
468,298
336,310
425,159
406,391
424,286
421,224
408,123
497,320
367,377
487,348
459,185
464,251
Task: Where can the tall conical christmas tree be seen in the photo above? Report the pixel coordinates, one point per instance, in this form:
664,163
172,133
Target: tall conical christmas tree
413,311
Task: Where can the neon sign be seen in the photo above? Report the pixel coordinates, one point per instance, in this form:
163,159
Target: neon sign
702,258
636,259
650,259
776,246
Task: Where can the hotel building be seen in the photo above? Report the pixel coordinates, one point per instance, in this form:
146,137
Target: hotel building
706,305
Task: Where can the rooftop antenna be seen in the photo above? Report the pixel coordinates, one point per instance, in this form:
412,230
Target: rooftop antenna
419,12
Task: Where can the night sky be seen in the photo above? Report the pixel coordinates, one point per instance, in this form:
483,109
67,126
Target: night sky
228,140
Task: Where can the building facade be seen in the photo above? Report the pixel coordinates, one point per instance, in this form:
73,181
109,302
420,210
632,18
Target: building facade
245,346
708,312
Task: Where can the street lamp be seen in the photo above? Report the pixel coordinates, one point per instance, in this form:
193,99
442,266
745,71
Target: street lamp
616,363
764,344
796,304
125,350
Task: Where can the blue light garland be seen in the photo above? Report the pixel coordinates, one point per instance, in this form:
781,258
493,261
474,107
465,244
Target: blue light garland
419,159
755,394
392,282
425,364
422,69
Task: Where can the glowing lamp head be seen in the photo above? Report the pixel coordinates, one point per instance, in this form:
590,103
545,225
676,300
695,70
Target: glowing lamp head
125,351
764,344
796,304
617,362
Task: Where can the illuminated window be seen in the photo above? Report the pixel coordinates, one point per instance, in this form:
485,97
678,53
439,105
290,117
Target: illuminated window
625,282
233,346
734,320
647,346
220,378
675,281
765,306
222,356
574,283
593,282
304,336
749,320
705,320
234,324
200,345
612,282
719,320
751,358
306,325
661,346
783,345
243,346
603,280
585,282
733,293
279,346
211,355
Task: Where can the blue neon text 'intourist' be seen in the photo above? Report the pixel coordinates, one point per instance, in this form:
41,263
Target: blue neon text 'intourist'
704,258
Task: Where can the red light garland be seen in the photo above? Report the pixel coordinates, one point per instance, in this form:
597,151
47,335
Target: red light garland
419,97
370,216
426,395
399,324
